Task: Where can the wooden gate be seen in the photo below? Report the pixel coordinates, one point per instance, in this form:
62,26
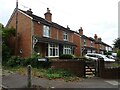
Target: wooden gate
91,68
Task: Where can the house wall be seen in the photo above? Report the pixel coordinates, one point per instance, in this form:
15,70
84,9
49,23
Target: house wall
38,29
76,41
24,30
74,66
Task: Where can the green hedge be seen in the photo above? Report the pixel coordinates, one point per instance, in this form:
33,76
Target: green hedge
33,61
118,54
66,56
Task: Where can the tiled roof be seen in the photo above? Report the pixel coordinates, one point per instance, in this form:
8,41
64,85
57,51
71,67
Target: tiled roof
50,40
42,20
90,38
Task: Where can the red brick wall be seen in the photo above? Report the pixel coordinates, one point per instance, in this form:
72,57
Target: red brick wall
54,32
60,34
77,67
76,41
24,30
38,29
70,36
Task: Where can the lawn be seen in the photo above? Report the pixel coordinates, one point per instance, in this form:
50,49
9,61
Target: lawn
45,73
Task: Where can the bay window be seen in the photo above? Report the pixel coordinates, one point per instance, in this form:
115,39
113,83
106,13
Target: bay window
53,50
67,50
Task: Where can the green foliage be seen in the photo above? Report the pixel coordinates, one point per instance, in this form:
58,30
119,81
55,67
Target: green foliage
118,54
33,61
15,61
66,56
7,33
6,53
57,73
107,53
117,43
45,73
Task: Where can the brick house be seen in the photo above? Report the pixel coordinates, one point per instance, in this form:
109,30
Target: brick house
41,35
87,43
92,45
100,46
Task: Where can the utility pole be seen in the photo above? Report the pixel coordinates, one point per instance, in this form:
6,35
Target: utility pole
16,40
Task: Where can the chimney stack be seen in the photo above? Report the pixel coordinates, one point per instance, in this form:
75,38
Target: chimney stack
29,11
48,15
95,37
68,27
81,31
99,39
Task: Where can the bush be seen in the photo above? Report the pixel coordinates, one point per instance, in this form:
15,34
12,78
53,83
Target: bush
118,54
66,56
6,53
33,61
15,61
57,73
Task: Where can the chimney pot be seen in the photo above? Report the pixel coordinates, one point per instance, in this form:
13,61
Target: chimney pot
68,27
48,15
95,36
29,11
81,31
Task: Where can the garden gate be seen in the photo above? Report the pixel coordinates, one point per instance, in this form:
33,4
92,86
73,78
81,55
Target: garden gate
91,68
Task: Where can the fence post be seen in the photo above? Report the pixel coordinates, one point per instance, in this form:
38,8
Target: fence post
96,68
29,76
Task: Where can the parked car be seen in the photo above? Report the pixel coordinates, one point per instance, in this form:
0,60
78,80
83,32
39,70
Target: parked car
96,56
91,56
110,56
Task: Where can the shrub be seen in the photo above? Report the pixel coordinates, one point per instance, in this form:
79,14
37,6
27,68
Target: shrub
33,61
15,61
6,53
57,73
66,56
118,54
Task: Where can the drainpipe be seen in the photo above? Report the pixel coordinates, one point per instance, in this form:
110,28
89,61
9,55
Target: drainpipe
32,33
81,46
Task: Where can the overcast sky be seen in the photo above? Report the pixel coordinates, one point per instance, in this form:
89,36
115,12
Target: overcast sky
94,16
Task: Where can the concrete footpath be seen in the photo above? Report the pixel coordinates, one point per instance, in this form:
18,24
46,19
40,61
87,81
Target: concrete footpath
14,80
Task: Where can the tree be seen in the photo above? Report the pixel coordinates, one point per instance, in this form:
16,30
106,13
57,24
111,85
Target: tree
117,43
6,34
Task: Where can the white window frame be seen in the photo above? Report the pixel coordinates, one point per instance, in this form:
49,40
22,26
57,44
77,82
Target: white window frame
65,36
52,47
46,31
67,49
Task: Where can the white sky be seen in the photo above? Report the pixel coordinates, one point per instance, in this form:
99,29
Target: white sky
94,16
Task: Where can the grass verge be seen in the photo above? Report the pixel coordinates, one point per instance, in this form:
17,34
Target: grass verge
45,73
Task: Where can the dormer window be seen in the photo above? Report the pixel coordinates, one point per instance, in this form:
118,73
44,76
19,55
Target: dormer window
46,31
65,36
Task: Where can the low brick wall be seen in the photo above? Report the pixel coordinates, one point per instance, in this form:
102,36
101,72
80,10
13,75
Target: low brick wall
108,73
75,66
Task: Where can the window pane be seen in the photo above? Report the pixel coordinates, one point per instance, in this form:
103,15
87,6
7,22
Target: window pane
46,31
53,50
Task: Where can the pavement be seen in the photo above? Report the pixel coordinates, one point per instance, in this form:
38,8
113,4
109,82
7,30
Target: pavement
14,80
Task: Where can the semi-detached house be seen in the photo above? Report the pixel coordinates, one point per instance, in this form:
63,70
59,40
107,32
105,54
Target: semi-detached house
43,36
